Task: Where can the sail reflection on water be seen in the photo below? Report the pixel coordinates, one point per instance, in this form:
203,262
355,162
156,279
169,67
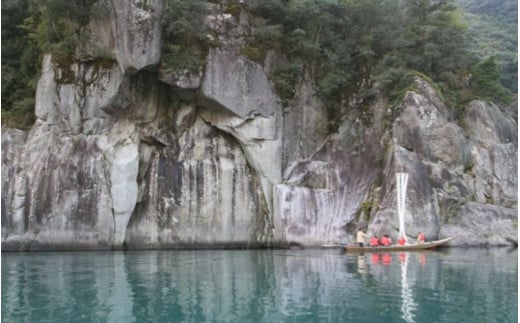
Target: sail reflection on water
409,306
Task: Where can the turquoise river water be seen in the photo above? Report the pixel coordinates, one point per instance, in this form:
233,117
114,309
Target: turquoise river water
313,285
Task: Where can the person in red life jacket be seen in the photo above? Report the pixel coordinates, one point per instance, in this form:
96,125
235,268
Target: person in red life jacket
402,241
421,238
374,242
385,240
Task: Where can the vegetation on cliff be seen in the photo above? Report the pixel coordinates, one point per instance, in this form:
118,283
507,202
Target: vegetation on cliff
493,28
353,49
186,38
30,28
20,65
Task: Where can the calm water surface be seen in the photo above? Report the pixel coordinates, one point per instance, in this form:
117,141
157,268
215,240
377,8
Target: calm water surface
456,285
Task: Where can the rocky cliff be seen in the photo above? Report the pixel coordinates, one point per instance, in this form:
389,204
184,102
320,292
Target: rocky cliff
130,155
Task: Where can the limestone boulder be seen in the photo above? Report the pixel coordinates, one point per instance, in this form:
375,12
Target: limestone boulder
478,224
77,105
421,127
237,85
137,29
127,32
486,122
58,103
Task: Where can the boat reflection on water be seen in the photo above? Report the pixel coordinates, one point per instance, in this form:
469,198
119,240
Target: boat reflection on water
379,260
387,259
422,259
375,259
362,264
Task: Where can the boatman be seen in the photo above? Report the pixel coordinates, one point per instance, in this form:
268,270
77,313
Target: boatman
360,237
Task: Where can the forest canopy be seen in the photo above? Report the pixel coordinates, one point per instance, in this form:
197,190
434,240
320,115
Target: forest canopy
361,48
352,49
493,28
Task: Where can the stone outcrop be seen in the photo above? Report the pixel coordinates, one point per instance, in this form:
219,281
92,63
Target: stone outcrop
126,155
138,42
454,169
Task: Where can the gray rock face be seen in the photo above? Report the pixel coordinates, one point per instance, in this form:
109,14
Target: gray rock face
238,85
304,125
487,123
122,156
137,33
479,224
60,199
321,199
206,195
13,141
126,31
422,128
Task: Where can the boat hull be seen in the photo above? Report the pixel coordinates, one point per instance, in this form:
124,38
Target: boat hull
410,247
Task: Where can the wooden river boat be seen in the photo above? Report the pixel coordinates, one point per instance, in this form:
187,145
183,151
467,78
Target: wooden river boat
408,247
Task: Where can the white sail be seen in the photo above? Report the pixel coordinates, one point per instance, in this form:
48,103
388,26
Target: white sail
402,181
408,305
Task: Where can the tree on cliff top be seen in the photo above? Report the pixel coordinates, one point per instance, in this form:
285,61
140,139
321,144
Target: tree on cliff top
486,80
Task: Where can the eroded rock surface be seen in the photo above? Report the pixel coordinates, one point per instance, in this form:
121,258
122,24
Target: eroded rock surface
125,155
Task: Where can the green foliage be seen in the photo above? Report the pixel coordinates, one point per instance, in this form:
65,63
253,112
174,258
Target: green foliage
353,49
263,39
30,28
254,53
485,80
186,38
285,79
394,81
55,26
493,27
363,47
20,67
234,8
